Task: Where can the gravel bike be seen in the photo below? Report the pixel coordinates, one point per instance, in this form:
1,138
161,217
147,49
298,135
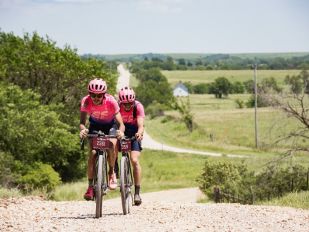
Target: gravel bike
100,143
126,177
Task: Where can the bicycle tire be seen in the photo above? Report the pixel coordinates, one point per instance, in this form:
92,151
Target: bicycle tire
98,187
125,185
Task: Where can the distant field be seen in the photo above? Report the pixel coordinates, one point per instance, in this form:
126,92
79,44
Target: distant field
202,102
221,126
207,76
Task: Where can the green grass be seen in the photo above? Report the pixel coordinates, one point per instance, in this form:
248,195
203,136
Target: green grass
223,127
207,102
160,170
8,193
296,200
208,76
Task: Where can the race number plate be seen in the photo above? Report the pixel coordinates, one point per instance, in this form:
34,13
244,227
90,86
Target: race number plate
126,146
100,143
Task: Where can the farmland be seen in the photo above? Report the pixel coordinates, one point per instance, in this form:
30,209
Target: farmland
207,76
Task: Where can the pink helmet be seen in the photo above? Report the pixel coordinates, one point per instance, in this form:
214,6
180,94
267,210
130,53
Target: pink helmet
126,95
97,86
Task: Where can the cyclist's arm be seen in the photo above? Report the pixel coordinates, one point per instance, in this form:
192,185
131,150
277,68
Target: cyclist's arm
83,130
120,122
83,117
140,128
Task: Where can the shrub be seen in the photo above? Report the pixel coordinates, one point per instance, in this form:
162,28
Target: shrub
236,181
230,178
41,176
240,103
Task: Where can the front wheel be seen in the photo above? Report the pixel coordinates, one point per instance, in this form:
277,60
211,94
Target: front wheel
98,187
125,185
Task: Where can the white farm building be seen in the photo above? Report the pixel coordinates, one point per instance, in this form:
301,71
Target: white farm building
180,90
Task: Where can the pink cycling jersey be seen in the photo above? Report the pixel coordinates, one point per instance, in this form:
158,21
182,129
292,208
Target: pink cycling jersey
104,113
127,116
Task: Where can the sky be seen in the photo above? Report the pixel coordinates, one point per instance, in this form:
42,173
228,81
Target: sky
163,26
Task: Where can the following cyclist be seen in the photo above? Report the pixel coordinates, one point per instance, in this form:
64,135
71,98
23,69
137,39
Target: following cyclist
132,113
103,111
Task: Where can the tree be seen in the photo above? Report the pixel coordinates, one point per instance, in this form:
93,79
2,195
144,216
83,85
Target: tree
295,104
153,86
30,131
221,87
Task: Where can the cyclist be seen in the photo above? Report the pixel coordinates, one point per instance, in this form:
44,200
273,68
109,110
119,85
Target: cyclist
132,113
103,111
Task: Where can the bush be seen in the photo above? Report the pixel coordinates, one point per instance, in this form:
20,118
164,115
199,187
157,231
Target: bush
41,176
234,179
263,100
240,103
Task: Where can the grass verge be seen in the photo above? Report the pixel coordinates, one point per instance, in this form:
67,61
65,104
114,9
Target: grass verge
8,193
295,200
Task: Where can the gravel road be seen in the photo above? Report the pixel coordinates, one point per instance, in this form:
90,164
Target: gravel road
171,210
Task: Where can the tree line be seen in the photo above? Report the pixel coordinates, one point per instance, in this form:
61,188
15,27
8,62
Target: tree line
212,62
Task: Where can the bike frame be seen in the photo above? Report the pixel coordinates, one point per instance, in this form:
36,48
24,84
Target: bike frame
101,144
126,176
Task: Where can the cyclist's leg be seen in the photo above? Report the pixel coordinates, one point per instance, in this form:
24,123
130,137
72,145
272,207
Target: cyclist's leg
113,131
111,162
91,157
112,154
90,167
91,160
137,170
90,173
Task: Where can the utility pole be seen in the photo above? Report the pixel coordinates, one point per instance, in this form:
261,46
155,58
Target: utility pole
255,105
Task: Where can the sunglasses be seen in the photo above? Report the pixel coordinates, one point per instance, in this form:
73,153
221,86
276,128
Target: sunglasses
93,95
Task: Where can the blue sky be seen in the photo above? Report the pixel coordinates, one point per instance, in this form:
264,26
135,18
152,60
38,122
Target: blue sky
163,26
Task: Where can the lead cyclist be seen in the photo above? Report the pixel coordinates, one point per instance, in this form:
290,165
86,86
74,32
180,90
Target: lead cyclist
103,111
132,113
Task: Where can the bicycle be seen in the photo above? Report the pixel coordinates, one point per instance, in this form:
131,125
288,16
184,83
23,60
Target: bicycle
100,143
126,177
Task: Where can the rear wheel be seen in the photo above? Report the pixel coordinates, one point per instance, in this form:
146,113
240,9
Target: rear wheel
98,187
125,185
